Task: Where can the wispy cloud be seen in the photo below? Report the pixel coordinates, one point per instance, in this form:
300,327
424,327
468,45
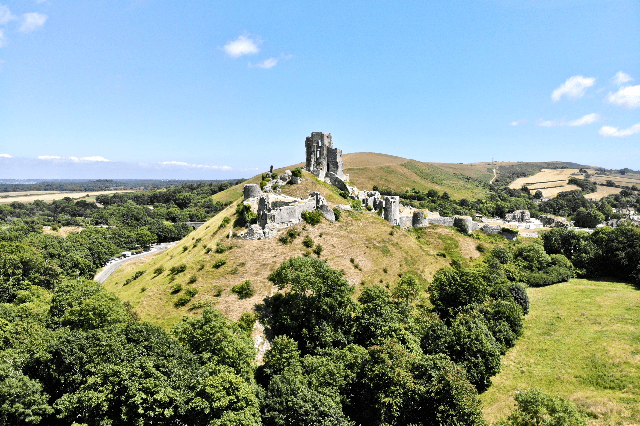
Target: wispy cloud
519,122
268,63
195,166
627,96
93,159
582,121
575,87
5,156
242,46
32,21
5,15
621,78
608,131
3,41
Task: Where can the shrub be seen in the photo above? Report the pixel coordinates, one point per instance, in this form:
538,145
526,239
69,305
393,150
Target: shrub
297,172
369,208
284,239
461,226
293,233
503,255
337,212
307,242
355,204
216,290
219,263
312,218
225,222
247,320
221,248
318,250
159,270
192,279
175,270
536,408
185,297
560,260
245,216
481,248
243,290
184,249
176,288
208,250
520,296
344,194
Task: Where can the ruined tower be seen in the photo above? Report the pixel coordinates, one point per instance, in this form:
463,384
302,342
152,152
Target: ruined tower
323,160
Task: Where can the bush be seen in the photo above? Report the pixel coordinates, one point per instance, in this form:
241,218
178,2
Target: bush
243,290
221,248
538,409
337,212
461,226
219,263
520,296
307,242
355,204
503,255
318,250
245,216
192,279
176,288
175,270
297,172
225,222
185,297
481,248
312,218
284,239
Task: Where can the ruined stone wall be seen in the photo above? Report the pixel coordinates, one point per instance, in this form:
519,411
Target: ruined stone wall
419,220
392,210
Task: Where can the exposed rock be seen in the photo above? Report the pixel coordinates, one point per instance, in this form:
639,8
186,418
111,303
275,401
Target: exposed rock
327,213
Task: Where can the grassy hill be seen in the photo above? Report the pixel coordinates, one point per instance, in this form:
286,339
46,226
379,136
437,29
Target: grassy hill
581,341
379,251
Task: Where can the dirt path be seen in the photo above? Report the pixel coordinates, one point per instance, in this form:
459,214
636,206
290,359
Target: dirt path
111,267
494,176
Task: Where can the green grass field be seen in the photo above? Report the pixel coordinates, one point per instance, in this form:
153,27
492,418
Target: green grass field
582,342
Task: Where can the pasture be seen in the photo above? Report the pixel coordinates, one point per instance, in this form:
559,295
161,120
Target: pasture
581,341
49,196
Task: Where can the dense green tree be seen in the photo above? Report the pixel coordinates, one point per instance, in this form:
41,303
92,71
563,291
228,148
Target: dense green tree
588,218
453,290
315,308
219,340
534,408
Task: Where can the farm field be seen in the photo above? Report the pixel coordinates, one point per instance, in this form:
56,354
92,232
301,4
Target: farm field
49,196
581,341
550,181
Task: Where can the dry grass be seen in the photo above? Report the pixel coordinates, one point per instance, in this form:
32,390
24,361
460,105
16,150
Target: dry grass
581,341
602,192
63,231
49,196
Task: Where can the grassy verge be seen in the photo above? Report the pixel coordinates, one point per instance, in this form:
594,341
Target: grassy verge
581,341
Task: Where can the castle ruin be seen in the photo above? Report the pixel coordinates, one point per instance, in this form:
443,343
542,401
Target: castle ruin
323,160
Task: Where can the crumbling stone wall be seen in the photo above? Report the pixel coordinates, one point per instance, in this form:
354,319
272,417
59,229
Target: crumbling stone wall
251,191
322,158
518,216
419,220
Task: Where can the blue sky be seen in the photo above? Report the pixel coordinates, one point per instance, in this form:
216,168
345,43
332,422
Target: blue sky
211,90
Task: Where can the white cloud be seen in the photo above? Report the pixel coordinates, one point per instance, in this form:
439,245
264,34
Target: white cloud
88,159
582,121
2,39
242,46
268,63
195,166
627,96
5,156
517,123
5,15
621,78
93,159
32,21
608,131
574,87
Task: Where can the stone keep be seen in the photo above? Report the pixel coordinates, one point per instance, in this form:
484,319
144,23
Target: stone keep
322,158
392,210
251,191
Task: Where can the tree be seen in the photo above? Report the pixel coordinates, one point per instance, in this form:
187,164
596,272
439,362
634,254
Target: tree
535,408
454,289
315,309
588,218
218,340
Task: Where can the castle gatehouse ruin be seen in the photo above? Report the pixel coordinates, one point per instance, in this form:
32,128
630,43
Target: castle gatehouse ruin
323,160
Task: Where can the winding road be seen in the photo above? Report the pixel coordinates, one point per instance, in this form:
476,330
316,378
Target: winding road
115,264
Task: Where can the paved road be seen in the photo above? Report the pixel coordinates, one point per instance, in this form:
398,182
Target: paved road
113,265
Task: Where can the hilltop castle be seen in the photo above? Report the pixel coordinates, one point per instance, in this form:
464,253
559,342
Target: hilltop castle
323,160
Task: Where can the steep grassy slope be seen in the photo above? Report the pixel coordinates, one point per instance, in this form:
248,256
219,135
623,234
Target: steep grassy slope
380,252
581,341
